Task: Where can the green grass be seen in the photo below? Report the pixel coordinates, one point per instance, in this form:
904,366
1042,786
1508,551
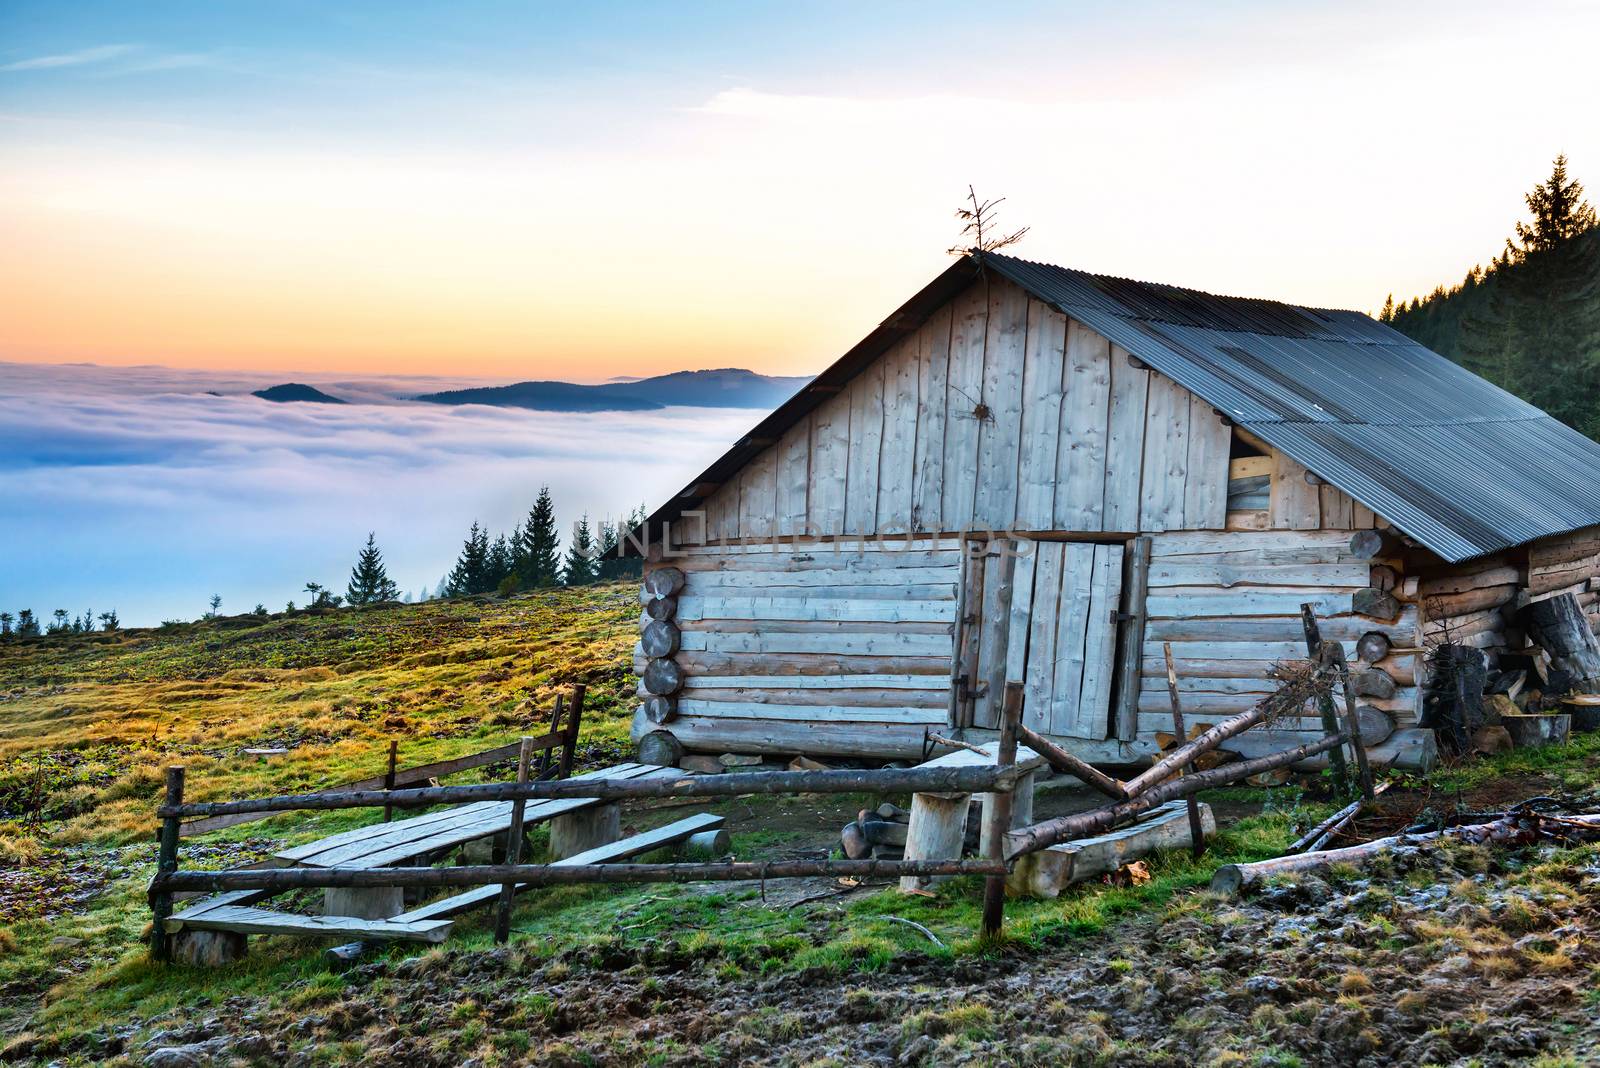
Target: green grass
90,722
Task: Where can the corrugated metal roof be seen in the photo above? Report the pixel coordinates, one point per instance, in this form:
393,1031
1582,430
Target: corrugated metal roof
1459,464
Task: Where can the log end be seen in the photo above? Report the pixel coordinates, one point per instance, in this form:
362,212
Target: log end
1228,881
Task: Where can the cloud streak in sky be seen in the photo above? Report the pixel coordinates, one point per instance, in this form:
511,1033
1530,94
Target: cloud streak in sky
134,488
81,57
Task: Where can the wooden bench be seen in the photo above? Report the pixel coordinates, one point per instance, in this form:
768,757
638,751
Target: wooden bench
573,825
938,824
378,913
623,849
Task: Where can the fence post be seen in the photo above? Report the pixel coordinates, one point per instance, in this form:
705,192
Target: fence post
569,747
1330,722
1352,721
1197,830
994,886
388,777
166,864
502,916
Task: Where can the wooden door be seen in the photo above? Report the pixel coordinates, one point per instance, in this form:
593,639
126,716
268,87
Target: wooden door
1059,636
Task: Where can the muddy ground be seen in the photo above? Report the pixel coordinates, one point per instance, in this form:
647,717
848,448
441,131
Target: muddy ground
1446,957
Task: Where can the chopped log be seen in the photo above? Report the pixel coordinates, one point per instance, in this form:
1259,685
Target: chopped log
1374,725
1233,879
937,831
1079,825
1061,760
1481,599
660,747
884,832
660,708
1373,683
708,845
854,841
661,608
659,638
891,811
1048,872
1376,603
663,677
1372,544
1385,578
1373,646
1558,626
1536,730
663,582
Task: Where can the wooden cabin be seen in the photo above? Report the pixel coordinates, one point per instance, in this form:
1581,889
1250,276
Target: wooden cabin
1038,474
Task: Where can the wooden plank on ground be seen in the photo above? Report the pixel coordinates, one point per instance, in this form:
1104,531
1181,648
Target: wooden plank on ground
264,921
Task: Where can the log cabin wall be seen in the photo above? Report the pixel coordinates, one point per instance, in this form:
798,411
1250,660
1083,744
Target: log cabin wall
799,633
815,647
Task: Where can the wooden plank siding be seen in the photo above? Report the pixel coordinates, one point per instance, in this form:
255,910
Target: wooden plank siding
997,413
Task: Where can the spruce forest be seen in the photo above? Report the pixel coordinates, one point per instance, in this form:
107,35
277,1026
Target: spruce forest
1530,321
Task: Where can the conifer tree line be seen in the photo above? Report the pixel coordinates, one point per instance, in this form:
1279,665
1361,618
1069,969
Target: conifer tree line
530,557
24,624
1530,321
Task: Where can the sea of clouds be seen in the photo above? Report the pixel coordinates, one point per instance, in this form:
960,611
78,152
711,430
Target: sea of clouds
137,489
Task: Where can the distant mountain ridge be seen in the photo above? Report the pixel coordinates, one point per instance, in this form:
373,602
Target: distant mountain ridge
727,387
296,391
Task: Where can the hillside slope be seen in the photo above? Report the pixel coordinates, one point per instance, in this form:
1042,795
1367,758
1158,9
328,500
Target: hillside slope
725,388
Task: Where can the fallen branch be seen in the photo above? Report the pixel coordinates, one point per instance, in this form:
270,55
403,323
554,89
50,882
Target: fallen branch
1295,692
915,926
1325,830
956,743
1061,760
1081,824
1518,828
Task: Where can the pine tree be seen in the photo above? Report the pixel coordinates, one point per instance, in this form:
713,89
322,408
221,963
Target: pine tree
60,625
498,567
581,565
6,619
369,579
472,566
27,626
109,620
538,547
216,603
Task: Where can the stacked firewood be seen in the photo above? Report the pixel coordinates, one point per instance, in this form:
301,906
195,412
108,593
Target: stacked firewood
880,833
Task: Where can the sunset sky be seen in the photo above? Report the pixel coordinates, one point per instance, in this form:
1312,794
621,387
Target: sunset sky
581,190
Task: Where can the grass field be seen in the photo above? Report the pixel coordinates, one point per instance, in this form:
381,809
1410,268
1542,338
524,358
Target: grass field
87,723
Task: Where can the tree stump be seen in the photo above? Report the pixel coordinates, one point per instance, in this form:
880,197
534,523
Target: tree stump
364,902
209,949
937,831
572,833
1558,626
